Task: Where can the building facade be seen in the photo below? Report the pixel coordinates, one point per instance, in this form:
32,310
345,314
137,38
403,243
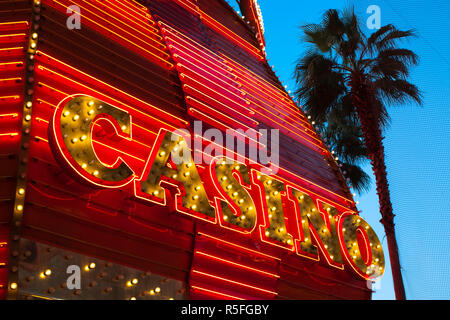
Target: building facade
98,97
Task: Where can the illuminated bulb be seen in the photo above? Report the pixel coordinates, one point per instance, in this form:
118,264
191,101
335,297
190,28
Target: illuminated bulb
326,246
162,154
224,162
124,128
235,193
313,210
135,281
42,275
189,165
29,104
274,208
21,191
129,284
91,112
377,259
194,207
269,182
155,193
92,265
229,186
174,176
250,208
237,167
14,285
343,229
332,257
197,188
224,178
152,292
242,217
84,137
66,114
84,166
76,117
378,246
270,216
195,197
33,45
306,239
289,241
186,174
354,257
281,229
267,233
28,117
358,221
34,35
132,298
225,218
275,193
91,103
328,209
48,272
86,268
74,140
241,201
267,197
96,173
19,207
302,197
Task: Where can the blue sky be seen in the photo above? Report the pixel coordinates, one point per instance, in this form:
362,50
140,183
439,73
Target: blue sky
417,142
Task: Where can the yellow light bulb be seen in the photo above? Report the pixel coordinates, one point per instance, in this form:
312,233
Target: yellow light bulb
13,286
21,191
92,265
157,289
48,272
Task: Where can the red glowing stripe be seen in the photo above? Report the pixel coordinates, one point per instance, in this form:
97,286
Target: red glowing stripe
125,31
10,49
128,16
224,86
10,97
216,25
238,246
145,35
219,105
11,63
213,112
204,117
158,58
185,76
169,115
12,35
237,264
138,16
12,115
234,282
220,294
11,134
311,192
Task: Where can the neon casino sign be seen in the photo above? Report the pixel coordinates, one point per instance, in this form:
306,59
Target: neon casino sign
239,197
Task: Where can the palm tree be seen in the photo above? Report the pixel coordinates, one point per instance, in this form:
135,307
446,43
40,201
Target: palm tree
349,78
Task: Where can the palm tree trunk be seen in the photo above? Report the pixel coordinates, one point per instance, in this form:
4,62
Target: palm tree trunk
374,142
